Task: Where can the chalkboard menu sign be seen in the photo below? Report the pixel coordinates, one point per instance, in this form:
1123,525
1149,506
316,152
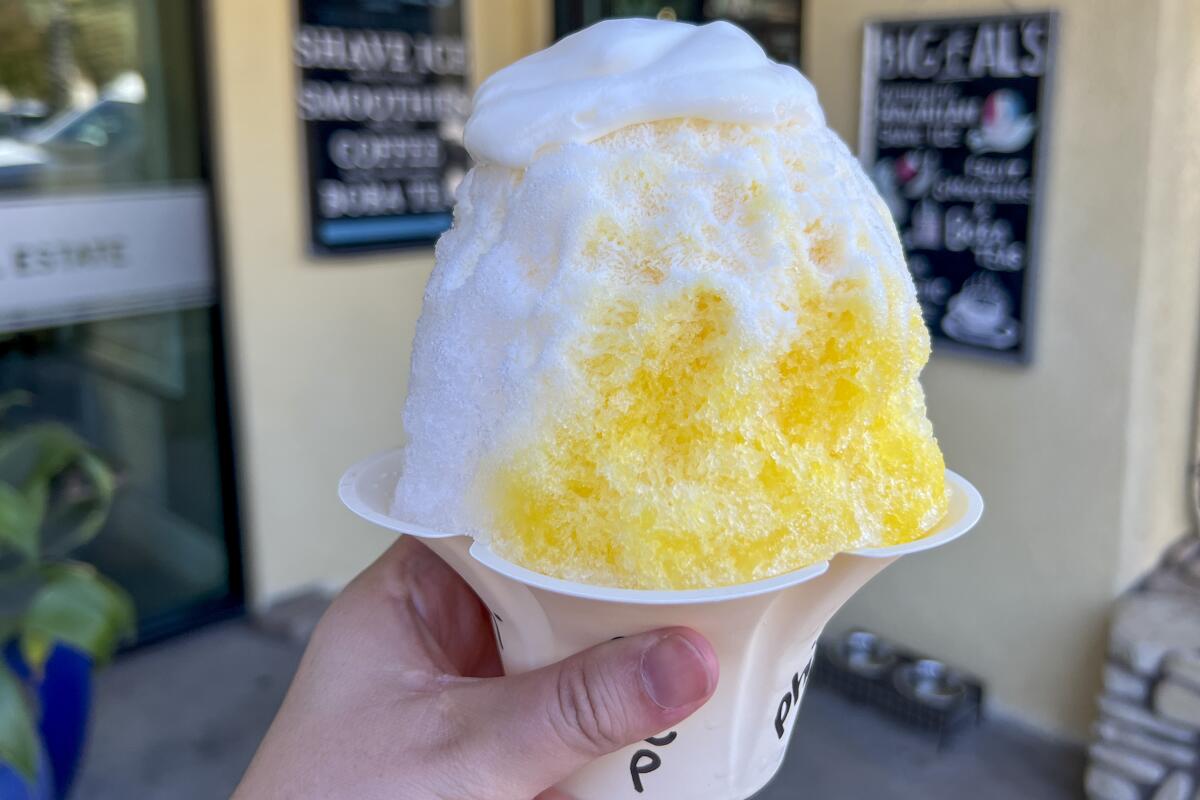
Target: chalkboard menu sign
953,129
383,102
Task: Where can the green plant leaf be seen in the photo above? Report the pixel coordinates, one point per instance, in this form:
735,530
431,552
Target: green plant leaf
18,583
101,476
77,521
37,452
21,515
80,607
18,741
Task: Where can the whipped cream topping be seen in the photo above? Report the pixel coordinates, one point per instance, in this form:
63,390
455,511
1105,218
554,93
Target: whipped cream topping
626,71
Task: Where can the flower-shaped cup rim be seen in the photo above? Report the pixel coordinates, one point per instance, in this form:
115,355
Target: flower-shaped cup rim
368,486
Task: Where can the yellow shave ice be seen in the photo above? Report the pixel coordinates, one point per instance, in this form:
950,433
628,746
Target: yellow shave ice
670,341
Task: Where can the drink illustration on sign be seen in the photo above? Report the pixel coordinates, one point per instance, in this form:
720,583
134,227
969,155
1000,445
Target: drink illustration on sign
981,314
909,177
916,171
1004,127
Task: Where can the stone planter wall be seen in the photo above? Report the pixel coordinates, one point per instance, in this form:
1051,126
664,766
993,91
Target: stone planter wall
1147,737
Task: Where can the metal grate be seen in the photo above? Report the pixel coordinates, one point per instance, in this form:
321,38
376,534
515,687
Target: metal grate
915,690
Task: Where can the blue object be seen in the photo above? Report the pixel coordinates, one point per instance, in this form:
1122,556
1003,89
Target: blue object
373,230
64,696
14,787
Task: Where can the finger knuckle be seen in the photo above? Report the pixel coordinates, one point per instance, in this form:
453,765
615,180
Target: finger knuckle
588,713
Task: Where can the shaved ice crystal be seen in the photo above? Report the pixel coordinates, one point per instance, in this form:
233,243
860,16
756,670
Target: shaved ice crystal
670,341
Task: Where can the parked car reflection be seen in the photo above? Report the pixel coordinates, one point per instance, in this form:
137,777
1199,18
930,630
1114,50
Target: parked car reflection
20,117
100,144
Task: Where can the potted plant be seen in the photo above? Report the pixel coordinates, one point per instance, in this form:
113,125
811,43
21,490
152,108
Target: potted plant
59,619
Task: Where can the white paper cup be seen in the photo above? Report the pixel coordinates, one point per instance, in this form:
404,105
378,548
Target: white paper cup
764,634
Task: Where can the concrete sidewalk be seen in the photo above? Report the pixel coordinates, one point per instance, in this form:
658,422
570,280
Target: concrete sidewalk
181,720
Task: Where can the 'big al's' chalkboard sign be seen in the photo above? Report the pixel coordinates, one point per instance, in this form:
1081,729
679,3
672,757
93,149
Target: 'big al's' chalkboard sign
953,126
383,100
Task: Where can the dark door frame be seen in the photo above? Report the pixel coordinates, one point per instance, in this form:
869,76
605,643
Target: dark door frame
233,603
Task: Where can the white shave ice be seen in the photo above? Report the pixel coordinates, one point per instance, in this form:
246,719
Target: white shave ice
670,341
621,72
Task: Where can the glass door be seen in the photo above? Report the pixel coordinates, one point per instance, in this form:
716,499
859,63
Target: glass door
109,314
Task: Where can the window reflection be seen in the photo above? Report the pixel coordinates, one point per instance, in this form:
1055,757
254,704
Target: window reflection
84,98
99,133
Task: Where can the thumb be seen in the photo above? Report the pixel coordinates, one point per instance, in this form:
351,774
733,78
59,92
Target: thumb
544,725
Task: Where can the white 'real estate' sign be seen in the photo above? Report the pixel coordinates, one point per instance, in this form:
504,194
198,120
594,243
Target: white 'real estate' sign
79,258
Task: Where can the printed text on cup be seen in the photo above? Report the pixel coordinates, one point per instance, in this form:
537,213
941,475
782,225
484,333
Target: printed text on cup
791,700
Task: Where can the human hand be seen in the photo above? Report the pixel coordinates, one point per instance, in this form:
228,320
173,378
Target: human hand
400,694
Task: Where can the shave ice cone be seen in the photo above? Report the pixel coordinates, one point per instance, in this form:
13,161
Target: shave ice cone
667,373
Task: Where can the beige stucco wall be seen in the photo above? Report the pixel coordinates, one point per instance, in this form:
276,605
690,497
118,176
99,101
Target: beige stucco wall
319,347
1165,335
1082,455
